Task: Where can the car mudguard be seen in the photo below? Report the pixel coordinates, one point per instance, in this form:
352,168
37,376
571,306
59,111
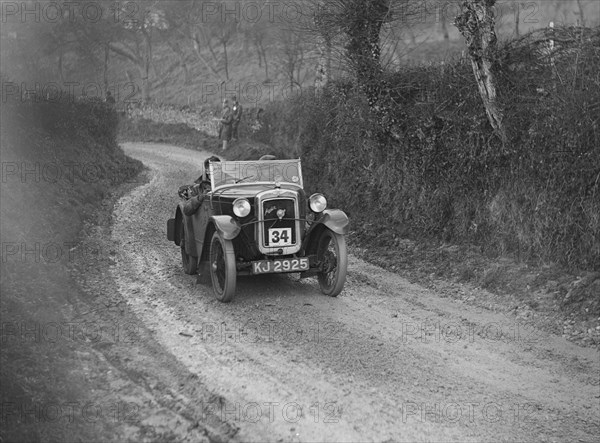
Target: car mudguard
171,229
173,226
334,219
190,244
178,219
226,225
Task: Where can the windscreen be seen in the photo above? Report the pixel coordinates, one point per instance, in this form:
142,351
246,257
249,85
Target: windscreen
271,171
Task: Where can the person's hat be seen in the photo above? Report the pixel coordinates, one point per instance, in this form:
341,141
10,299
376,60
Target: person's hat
212,158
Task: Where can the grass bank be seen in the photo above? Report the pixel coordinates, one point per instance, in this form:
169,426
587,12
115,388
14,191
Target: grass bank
60,164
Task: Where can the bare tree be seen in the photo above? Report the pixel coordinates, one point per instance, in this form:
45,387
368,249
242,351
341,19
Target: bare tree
224,34
197,43
257,34
443,11
137,28
356,26
257,31
88,43
476,24
217,28
581,12
361,22
291,54
176,34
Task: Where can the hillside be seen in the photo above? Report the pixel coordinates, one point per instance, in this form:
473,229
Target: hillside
187,58
60,167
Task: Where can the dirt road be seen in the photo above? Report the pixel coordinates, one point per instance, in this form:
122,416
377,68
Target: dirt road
385,361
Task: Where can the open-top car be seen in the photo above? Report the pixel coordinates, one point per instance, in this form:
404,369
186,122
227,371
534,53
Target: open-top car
254,218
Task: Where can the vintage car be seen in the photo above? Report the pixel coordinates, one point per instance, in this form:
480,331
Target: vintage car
255,218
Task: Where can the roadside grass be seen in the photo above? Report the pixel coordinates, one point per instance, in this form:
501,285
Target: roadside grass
547,295
59,162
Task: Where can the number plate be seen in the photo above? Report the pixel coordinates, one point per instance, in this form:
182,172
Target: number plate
281,265
280,236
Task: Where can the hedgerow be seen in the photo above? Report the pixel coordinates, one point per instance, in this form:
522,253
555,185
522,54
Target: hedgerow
73,142
443,174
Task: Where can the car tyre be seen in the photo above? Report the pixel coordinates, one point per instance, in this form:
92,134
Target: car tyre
189,262
333,258
222,268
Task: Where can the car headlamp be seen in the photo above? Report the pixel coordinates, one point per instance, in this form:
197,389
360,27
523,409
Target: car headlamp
241,207
317,202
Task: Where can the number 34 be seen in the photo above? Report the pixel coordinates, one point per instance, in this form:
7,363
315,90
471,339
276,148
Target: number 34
280,236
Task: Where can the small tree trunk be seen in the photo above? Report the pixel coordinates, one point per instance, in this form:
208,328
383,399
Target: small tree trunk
299,64
226,61
266,67
364,52
106,57
323,64
444,29
147,61
60,66
328,62
259,54
581,13
198,51
517,17
263,54
182,60
186,72
476,24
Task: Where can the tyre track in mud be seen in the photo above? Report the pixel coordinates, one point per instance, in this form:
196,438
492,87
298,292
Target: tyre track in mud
386,360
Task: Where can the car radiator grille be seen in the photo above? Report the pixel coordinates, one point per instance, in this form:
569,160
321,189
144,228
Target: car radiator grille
270,209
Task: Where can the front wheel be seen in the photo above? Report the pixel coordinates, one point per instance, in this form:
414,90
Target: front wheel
333,260
189,262
222,268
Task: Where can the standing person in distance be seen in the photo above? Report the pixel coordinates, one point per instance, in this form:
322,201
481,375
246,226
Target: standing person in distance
237,118
109,98
226,124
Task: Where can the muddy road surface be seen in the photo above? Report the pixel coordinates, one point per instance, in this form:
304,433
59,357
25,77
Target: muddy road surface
385,361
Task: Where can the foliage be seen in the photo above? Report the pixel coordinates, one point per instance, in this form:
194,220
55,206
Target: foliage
446,177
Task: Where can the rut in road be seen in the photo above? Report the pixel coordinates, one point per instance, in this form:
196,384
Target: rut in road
386,360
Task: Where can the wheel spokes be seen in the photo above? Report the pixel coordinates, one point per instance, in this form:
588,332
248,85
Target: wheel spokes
218,265
329,264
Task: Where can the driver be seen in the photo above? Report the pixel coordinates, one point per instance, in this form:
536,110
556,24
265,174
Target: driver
200,188
203,181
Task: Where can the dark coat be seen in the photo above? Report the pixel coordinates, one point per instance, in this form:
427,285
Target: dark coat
226,123
237,112
192,205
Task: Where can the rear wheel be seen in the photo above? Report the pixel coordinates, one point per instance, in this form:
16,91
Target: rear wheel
222,268
189,262
333,259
